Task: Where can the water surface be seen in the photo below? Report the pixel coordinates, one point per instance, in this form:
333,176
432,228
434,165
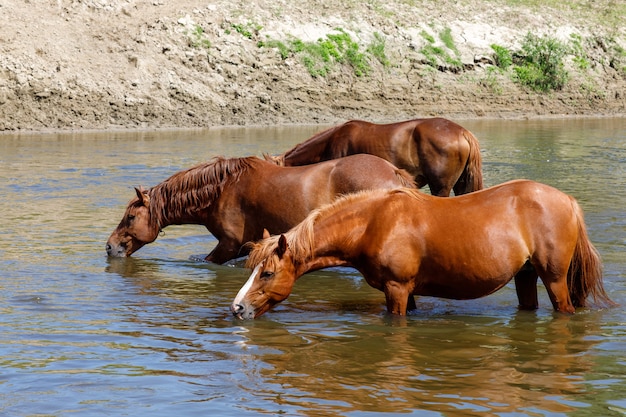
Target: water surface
81,334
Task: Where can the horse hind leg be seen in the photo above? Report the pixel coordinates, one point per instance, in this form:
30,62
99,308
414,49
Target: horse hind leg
554,278
526,287
441,183
438,180
460,187
559,294
440,188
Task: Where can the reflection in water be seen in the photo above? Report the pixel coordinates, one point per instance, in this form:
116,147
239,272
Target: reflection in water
152,334
529,363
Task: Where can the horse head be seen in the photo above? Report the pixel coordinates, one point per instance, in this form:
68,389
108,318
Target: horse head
270,283
136,228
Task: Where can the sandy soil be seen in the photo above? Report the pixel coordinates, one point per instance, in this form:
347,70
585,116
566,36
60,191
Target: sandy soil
102,64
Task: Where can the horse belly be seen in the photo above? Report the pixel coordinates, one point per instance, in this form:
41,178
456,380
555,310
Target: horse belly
477,272
461,288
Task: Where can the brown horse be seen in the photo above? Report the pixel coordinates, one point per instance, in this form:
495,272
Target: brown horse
435,151
408,243
236,198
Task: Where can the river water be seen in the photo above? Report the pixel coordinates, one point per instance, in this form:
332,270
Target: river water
81,334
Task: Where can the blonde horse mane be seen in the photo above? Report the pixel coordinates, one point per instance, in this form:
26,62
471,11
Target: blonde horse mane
275,159
299,240
300,237
195,188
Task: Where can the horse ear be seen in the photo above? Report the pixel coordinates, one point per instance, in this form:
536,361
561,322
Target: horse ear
282,246
143,196
266,233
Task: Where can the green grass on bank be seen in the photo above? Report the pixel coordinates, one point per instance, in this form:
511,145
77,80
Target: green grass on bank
335,49
543,63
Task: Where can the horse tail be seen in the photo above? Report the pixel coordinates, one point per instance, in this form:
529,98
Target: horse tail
584,277
472,175
406,180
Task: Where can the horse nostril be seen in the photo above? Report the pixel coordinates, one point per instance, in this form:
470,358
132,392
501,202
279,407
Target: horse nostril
109,248
237,308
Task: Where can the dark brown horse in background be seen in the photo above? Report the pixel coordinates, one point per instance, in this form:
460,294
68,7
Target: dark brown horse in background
237,198
407,243
436,151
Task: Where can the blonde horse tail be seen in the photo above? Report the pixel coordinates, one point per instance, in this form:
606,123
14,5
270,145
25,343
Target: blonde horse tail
472,176
406,180
584,277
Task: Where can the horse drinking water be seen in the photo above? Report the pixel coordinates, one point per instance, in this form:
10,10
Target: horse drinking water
436,151
408,243
237,198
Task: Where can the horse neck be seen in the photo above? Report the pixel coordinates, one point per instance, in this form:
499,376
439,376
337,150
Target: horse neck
314,149
168,207
329,244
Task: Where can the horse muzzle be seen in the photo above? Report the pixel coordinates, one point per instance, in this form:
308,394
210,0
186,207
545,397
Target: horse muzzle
116,251
242,312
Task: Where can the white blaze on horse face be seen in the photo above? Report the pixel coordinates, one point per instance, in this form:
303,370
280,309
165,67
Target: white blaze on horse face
246,287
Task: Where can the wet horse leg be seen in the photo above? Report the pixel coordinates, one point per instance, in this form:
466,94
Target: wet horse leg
559,293
398,297
526,288
225,250
410,304
554,278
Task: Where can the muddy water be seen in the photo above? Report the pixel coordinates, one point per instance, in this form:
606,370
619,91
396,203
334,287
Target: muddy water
84,335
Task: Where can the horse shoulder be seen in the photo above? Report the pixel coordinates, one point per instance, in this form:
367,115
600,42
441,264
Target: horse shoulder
396,232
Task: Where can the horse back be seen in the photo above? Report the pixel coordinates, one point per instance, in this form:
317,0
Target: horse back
511,204
415,145
349,138
366,172
485,236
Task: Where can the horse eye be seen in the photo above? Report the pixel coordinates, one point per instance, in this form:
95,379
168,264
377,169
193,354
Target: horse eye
266,274
131,217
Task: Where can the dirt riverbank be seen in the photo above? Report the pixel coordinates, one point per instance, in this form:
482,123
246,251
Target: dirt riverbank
102,64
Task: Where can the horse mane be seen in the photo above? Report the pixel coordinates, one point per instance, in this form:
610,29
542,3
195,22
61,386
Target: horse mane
406,179
310,141
275,159
196,188
411,192
300,237
299,240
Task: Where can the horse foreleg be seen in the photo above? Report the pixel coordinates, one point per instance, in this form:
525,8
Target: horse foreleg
410,303
224,251
526,288
397,296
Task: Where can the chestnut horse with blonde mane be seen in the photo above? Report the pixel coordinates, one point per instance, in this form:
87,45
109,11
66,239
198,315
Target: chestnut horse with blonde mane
237,198
436,151
407,243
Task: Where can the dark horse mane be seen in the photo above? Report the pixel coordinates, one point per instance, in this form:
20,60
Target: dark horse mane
313,141
196,188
